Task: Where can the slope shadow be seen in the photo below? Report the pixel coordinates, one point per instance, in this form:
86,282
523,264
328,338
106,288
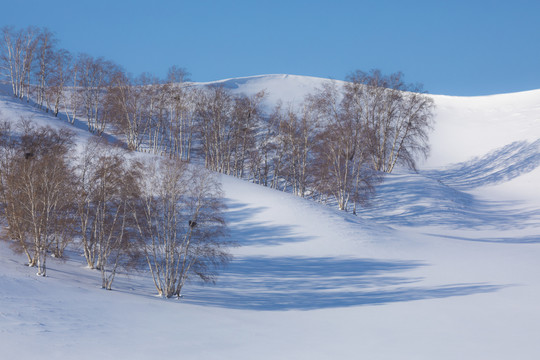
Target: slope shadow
298,283
32,109
528,239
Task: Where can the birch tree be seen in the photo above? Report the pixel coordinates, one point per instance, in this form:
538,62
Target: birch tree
45,54
127,105
94,76
246,115
298,131
343,167
57,81
398,115
180,220
16,57
215,128
183,125
38,193
107,189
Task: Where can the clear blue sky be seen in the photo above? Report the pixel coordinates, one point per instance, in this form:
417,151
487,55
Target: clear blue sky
453,47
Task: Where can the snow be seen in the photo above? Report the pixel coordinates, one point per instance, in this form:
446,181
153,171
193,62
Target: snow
482,124
443,265
290,90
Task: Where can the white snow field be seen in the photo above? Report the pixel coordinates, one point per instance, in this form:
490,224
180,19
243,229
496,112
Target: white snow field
445,264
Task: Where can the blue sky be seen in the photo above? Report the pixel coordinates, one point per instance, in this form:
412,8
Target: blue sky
452,47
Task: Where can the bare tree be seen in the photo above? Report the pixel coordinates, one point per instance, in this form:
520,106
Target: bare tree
45,54
16,57
95,76
56,82
397,114
37,192
298,130
215,128
107,189
264,161
182,127
127,105
246,117
158,97
177,75
180,220
8,56
342,158
177,113
227,128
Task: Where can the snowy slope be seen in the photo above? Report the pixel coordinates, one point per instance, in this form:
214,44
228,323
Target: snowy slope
465,126
474,126
444,265
289,89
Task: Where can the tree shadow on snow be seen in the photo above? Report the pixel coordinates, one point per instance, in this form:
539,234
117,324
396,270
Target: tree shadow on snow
297,283
31,109
245,232
532,239
307,283
498,166
414,200
440,197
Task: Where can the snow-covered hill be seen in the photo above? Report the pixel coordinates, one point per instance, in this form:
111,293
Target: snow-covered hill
443,265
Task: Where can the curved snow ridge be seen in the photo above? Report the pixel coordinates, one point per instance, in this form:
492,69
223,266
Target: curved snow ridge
263,81
431,200
289,90
483,100
476,124
498,166
237,82
469,127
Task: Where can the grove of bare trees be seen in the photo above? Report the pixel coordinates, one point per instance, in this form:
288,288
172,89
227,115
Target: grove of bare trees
398,116
116,209
334,147
37,192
